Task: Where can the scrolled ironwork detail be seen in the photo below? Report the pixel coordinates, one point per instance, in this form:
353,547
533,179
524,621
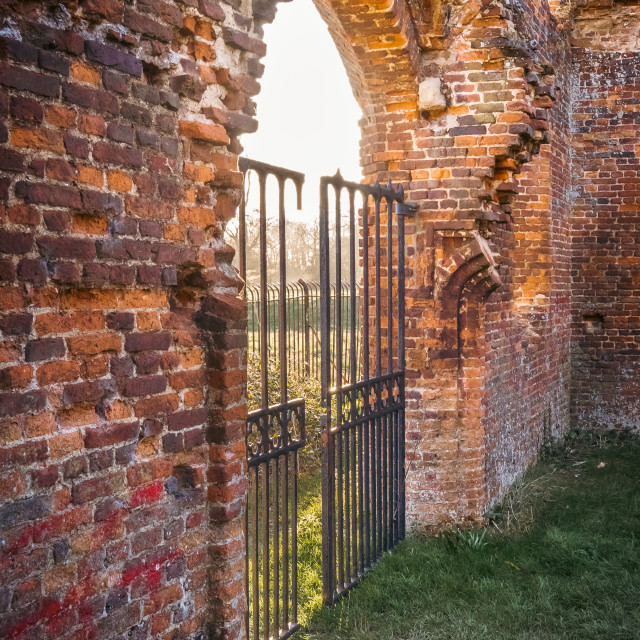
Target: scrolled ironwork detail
275,431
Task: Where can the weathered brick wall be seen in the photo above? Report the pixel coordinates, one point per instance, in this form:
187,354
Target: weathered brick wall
527,318
122,412
606,227
474,424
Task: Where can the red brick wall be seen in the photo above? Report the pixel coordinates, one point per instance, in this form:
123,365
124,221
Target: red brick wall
606,228
483,388
527,318
121,411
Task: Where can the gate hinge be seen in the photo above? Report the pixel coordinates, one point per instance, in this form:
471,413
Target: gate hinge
407,208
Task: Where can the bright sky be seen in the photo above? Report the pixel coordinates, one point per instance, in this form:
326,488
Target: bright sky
307,113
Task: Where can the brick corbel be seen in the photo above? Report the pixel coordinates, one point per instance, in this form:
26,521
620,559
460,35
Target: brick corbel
460,254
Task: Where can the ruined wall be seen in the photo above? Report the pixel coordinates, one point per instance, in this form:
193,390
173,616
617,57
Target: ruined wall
606,227
527,318
493,348
122,409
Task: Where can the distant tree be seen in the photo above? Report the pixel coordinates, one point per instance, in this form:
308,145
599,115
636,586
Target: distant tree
302,249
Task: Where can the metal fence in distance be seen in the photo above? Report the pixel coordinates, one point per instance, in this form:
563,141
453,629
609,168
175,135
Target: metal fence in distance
303,311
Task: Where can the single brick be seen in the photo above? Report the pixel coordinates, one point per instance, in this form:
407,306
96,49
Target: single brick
54,195
24,80
115,82
92,344
121,133
212,133
24,510
185,419
143,24
99,460
149,274
88,490
121,367
53,62
96,99
111,57
26,109
43,478
151,427
147,362
57,220
111,434
24,214
32,270
58,169
86,392
99,202
152,341
211,9
61,550
66,247
150,228
113,154
7,270
17,377
173,443
76,146
120,321
59,371
44,349
15,242
145,385
65,272
22,454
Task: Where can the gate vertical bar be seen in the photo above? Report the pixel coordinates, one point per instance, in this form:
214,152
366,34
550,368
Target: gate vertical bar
365,365
403,210
339,399
375,444
390,418
242,233
307,331
264,388
356,482
328,495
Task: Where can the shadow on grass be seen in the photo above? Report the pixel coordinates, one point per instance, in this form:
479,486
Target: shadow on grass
559,560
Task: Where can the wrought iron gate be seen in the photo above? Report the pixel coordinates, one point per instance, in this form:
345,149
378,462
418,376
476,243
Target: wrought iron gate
363,436
362,387
274,434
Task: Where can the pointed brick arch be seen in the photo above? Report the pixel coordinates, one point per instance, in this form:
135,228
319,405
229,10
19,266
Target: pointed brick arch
377,43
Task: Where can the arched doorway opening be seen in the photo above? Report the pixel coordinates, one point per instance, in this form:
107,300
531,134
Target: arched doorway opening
280,257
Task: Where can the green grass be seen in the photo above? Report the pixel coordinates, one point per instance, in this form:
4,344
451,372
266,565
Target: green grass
561,560
310,546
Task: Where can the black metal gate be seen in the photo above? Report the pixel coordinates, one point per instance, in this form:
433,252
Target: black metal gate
360,309
363,477
274,434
